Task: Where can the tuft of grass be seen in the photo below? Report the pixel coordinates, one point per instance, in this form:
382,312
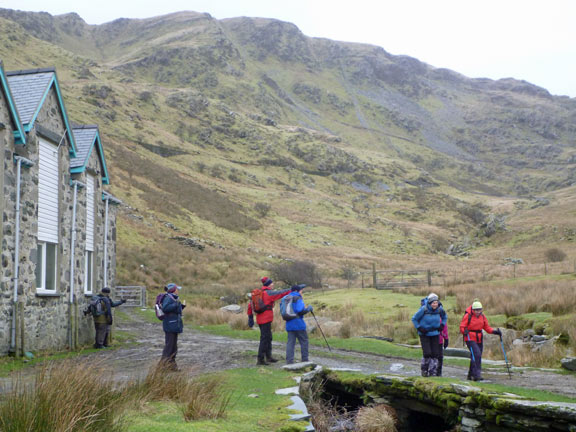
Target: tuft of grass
64,396
378,418
206,398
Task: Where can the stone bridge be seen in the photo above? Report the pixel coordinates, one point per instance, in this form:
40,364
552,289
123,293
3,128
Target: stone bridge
424,404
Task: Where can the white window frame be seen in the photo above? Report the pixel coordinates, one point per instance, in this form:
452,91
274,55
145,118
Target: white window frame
44,266
48,217
88,272
90,226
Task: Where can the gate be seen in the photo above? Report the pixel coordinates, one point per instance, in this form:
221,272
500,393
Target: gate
135,295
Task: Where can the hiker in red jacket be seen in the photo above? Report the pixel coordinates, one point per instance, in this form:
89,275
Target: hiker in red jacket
262,304
473,322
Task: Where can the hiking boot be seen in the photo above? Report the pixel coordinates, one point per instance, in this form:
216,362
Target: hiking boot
271,360
477,379
262,362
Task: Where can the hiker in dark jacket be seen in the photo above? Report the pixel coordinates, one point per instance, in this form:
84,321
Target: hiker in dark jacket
296,327
264,320
471,326
172,324
429,321
103,320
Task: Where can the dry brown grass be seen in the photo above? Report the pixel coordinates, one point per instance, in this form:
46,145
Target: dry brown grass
379,418
64,397
204,397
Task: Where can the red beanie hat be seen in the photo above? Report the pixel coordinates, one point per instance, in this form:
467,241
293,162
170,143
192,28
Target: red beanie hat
266,281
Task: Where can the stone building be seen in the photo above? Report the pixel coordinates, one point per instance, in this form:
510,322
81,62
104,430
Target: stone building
57,217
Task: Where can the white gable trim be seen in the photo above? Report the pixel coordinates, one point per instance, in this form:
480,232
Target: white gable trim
48,187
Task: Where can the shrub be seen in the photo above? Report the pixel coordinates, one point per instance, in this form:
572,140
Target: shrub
295,272
555,255
349,272
262,209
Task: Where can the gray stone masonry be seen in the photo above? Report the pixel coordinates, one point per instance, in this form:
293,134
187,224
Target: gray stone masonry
46,318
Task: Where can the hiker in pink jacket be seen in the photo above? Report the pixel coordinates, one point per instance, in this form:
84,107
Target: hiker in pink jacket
444,340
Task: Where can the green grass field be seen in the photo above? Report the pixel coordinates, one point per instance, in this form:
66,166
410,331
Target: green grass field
264,413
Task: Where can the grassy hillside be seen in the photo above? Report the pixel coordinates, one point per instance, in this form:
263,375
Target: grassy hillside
263,144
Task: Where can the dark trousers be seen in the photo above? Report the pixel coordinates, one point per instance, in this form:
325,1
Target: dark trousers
475,370
102,334
265,347
170,348
431,350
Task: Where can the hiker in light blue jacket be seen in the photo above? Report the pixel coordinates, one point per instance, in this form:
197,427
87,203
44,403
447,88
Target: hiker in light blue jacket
429,321
296,327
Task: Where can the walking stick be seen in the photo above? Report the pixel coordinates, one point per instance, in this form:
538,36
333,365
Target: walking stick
471,351
505,358
318,324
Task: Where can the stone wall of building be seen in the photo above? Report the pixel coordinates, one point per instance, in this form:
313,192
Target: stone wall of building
47,317
6,150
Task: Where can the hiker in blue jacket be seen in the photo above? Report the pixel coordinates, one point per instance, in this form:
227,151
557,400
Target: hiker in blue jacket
172,324
429,321
296,327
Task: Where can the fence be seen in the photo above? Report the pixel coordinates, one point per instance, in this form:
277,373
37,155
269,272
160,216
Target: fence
390,279
456,275
135,295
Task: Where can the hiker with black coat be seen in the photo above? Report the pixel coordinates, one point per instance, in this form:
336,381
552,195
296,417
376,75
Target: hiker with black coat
172,324
103,318
429,321
264,318
473,323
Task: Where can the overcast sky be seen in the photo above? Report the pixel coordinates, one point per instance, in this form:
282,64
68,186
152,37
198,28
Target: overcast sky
533,40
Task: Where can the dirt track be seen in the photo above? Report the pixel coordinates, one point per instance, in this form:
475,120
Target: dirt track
202,352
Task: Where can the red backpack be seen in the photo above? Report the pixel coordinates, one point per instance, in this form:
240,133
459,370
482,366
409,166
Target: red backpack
257,301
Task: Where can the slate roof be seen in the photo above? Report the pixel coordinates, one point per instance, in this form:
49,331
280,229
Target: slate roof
29,89
19,134
84,137
87,137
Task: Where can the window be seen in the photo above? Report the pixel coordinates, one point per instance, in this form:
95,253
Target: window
89,253
88,272
48,216
46,267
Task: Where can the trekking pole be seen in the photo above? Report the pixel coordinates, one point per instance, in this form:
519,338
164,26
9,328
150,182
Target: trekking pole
471,351
505,358
318,324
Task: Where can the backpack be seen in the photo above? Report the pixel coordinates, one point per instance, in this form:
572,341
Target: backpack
257,301
287,308
96,306
158,306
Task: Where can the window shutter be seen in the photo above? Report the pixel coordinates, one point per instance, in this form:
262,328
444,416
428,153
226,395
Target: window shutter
90,213
48,184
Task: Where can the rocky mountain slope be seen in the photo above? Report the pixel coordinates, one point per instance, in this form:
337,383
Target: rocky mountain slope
246,134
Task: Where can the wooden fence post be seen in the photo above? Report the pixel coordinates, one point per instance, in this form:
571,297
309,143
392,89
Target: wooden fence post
429,274
514,270
374,280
